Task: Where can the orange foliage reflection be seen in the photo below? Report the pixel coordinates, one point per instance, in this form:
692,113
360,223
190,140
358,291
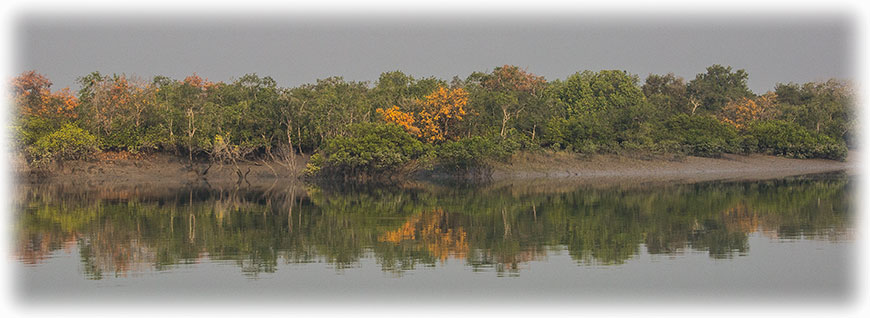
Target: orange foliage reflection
431,230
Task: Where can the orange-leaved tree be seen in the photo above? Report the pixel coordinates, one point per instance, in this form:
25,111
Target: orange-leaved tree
116,103
33,97
403,119
740,113
438,113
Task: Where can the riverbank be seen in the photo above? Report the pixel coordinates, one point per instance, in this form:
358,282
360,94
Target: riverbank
613,168
163,169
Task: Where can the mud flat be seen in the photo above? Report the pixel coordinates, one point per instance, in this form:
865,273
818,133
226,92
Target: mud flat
161,169
622,169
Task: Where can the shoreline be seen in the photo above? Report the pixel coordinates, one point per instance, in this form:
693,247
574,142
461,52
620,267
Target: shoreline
623,169
119,169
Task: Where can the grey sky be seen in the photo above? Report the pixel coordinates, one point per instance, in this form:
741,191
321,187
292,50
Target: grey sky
297,50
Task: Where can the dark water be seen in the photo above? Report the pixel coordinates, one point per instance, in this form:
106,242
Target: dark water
789,239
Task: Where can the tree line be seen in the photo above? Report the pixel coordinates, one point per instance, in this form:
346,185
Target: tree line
401,124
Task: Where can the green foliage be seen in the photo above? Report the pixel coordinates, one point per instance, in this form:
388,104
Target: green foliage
591,92
791,140
718,86
248,112
700,135
155,138
587,134
122,137
29,129
475,152
667,93
371,149
67,143
603,111
398,89
825,107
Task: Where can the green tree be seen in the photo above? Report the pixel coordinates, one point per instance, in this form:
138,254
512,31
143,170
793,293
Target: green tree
398,89
335,105
826,107
710,91
606,107
667,93
248,114
509,93
591,92
194,112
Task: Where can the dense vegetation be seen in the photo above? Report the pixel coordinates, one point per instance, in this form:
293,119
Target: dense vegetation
401,124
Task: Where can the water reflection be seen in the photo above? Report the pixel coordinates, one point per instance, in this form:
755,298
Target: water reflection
501,227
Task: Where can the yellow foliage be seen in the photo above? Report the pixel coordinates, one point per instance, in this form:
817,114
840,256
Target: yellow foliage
746,110
741,113
403,119
440,110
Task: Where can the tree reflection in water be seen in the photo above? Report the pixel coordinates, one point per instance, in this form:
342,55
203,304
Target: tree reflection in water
119,231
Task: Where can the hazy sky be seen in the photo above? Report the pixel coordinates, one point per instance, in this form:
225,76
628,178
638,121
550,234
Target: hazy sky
296,50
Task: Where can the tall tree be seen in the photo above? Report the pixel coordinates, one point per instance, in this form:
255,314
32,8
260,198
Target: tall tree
512,91
667,93
605,91
718,86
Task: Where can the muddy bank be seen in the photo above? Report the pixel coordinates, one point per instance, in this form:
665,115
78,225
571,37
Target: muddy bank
118,169
622,169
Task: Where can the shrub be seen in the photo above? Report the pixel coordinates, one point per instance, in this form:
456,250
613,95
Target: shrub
29,129
372,150
121,137
474,152
67,143
583,133
155,138
792,140
517,140
700,135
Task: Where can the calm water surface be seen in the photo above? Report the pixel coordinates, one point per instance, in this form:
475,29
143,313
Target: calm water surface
788,239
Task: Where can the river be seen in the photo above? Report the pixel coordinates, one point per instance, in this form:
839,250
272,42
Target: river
788,239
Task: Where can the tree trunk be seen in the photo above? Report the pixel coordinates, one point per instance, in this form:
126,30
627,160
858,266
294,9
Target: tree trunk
504,119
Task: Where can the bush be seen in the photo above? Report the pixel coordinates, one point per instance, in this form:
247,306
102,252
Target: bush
583,134
517,140
372,150
700,135
122,137
155,139
475,152
788,139
67,143
31,128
